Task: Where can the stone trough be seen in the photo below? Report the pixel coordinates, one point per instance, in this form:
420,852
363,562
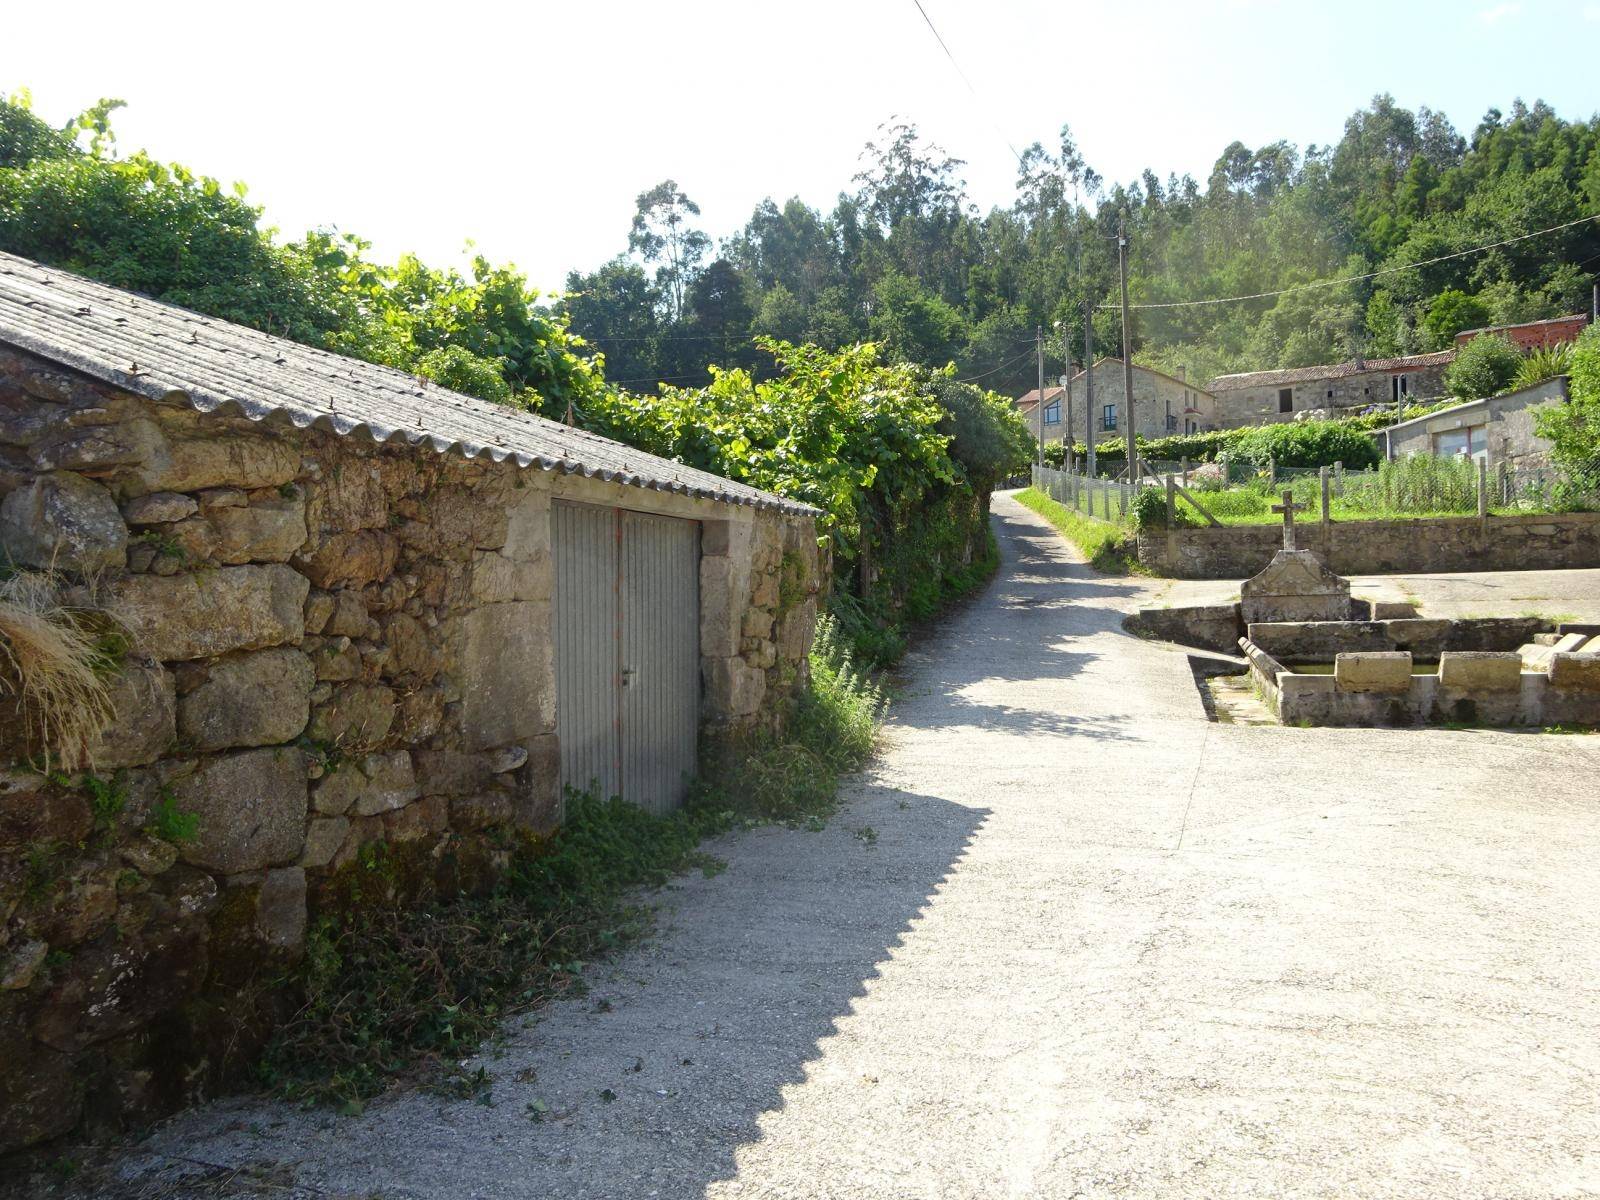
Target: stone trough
1318,656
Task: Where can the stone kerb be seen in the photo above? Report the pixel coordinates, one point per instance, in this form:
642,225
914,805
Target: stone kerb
1373,671
1480,670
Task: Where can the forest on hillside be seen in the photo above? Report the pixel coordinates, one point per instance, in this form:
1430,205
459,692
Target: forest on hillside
905,259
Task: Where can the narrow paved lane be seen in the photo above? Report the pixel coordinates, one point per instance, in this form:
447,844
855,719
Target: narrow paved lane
1097,947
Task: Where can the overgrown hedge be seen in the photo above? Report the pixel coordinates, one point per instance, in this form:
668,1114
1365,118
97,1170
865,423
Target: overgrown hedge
1319,443
900,460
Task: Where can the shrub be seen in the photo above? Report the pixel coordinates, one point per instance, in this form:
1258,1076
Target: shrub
1543,363
1574,427
1485,366
1306,444
1149,508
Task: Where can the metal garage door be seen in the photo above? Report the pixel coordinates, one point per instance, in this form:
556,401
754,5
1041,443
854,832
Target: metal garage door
627,625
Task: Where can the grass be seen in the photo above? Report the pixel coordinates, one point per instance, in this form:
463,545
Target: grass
54,661
392,989
1107,547
1415,488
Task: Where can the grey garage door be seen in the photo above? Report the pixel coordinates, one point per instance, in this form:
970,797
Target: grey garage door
627,618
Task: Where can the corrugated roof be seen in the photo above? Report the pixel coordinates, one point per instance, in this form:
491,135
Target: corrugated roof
167,353
1248,379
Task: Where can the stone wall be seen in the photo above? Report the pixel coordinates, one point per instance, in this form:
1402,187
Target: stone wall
329,643
1511,543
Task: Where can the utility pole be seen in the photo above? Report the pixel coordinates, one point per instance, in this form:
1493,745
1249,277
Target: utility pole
1038,345
1127,346
1088,383
1066,396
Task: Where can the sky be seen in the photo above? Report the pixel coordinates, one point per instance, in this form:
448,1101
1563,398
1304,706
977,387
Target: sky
529,129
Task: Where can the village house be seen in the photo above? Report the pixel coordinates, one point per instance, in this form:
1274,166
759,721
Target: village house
1340,389
1164,405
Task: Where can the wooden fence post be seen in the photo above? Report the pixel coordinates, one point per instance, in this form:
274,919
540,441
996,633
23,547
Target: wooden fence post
1272,471
1186,472
1322,478
1483,488
1172,503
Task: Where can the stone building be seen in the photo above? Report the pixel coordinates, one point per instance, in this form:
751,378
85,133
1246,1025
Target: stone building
1340,389
1164,405
1499,430
352,607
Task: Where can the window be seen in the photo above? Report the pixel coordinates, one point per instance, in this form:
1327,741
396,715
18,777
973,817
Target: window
1172,423
1399,387
1108,417
1330,393
1285,400
1469,442
1052,413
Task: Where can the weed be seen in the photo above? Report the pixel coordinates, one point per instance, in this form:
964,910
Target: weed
866,834
390,985
171,823
107,799
53,663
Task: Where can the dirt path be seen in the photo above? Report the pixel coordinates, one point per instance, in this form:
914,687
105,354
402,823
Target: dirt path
1092,946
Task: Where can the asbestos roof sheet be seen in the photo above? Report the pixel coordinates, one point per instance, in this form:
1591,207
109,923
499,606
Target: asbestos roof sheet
170,354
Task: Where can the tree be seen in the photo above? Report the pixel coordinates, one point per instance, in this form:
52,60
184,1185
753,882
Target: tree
1451,312
1574,427
661,234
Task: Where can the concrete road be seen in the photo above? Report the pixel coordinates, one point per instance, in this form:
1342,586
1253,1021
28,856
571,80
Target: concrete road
1092,946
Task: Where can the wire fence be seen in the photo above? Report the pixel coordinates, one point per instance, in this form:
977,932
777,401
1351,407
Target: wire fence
1091,495
1420,485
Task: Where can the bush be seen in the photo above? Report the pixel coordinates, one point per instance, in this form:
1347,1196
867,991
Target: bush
1546,362
1485,366
1306,444
1574,427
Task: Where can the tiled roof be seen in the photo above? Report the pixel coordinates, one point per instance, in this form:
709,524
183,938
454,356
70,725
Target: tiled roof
1031,397
171,354
1250,379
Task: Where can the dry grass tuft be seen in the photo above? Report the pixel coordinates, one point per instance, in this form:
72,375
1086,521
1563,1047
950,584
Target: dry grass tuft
52,662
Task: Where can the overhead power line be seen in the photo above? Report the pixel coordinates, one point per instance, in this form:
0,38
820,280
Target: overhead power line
1325,283
994,370
977,99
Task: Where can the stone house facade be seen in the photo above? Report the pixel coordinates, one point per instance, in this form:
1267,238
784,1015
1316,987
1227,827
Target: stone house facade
1499,430
1336,390
1164,405
336,590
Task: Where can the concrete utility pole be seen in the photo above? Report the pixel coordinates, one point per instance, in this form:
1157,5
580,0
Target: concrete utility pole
1038,345
1088,384
1127,347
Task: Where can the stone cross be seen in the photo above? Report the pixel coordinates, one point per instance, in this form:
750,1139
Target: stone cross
1288,508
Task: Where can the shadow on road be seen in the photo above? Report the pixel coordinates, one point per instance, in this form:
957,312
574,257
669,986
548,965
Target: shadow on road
650,1083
